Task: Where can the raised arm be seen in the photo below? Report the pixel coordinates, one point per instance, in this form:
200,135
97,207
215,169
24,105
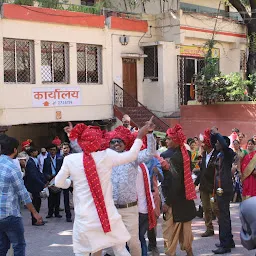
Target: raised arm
61,179
125,157
146,154
75,146
132,154
73,143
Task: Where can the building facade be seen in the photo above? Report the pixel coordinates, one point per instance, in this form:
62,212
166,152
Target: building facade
64,65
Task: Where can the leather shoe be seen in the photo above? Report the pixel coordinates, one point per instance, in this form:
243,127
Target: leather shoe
208,233
68,219
38,224
58,216
48,216
231,246
221,250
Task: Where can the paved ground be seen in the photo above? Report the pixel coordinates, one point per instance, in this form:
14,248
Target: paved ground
55,238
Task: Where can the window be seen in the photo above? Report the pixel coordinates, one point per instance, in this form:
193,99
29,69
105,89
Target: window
89,64
151,63
18,61
54,62
87,2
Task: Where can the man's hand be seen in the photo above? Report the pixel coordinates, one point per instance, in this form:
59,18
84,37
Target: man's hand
68,128
38,218
148,127
46,184
214,130
165,208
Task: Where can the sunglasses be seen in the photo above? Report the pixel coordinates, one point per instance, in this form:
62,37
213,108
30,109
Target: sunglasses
114,141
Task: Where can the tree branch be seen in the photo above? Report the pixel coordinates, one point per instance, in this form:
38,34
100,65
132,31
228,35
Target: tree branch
241,9
253,4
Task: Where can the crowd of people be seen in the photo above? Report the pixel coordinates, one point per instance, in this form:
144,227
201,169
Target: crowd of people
121,181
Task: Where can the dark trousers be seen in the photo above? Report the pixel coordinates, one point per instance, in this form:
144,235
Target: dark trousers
225,230
66,203
36,201
12,232
143,227
53,203
152,238
209,208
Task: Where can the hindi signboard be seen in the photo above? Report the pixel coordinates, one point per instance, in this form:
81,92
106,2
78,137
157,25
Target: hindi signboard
198,51
55,97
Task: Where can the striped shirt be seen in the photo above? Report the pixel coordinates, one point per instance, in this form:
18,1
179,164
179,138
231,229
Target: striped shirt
12,189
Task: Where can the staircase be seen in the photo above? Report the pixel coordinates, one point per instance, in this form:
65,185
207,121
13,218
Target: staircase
124,103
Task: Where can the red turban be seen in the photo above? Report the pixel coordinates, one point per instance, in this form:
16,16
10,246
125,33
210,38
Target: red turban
56,141
106,138
123,134
206,138
133,138
26,144
89,139
178,137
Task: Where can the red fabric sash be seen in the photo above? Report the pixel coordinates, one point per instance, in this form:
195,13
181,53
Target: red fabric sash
96,190
188,181
151,213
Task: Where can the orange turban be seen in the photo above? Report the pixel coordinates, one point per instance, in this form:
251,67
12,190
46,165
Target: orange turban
178,137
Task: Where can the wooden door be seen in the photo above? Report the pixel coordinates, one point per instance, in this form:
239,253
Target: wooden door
129,82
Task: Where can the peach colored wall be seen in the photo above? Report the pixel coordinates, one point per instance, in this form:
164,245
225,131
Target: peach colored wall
195,119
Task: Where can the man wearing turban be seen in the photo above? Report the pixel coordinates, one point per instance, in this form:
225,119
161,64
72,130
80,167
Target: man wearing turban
206,180
179,193
97,224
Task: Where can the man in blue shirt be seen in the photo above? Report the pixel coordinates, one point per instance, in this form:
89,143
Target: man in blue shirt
12,192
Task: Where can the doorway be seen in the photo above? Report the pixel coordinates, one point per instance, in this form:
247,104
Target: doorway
129,82
188,69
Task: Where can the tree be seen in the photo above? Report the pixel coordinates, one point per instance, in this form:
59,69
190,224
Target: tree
247,10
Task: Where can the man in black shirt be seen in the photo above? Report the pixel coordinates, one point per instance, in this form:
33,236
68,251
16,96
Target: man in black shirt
224,190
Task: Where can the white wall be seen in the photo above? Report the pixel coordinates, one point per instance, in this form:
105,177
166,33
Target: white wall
16,99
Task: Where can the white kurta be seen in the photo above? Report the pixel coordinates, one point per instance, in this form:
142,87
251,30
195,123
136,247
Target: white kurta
88,235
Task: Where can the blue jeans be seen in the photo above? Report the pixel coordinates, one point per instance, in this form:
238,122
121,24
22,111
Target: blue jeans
143,227
12,232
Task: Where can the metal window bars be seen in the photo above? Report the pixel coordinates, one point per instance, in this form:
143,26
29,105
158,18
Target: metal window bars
89,64
151,62
54,62
19,66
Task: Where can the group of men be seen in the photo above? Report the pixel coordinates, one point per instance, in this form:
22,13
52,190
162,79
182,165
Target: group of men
114,176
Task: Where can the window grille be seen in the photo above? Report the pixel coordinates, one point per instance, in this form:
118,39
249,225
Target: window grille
89,64
243,60
54,62
151,62
19,65
88,2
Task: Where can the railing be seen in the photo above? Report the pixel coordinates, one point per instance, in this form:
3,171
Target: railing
97,8
213,12
58,5
123,99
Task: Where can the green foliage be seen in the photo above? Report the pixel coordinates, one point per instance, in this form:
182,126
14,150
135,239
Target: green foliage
50,4
230,87
24,2
84,9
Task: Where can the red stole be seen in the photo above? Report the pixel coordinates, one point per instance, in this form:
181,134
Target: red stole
96,190
151,213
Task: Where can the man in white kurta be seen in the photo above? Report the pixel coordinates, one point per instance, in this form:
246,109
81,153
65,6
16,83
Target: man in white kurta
88,235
